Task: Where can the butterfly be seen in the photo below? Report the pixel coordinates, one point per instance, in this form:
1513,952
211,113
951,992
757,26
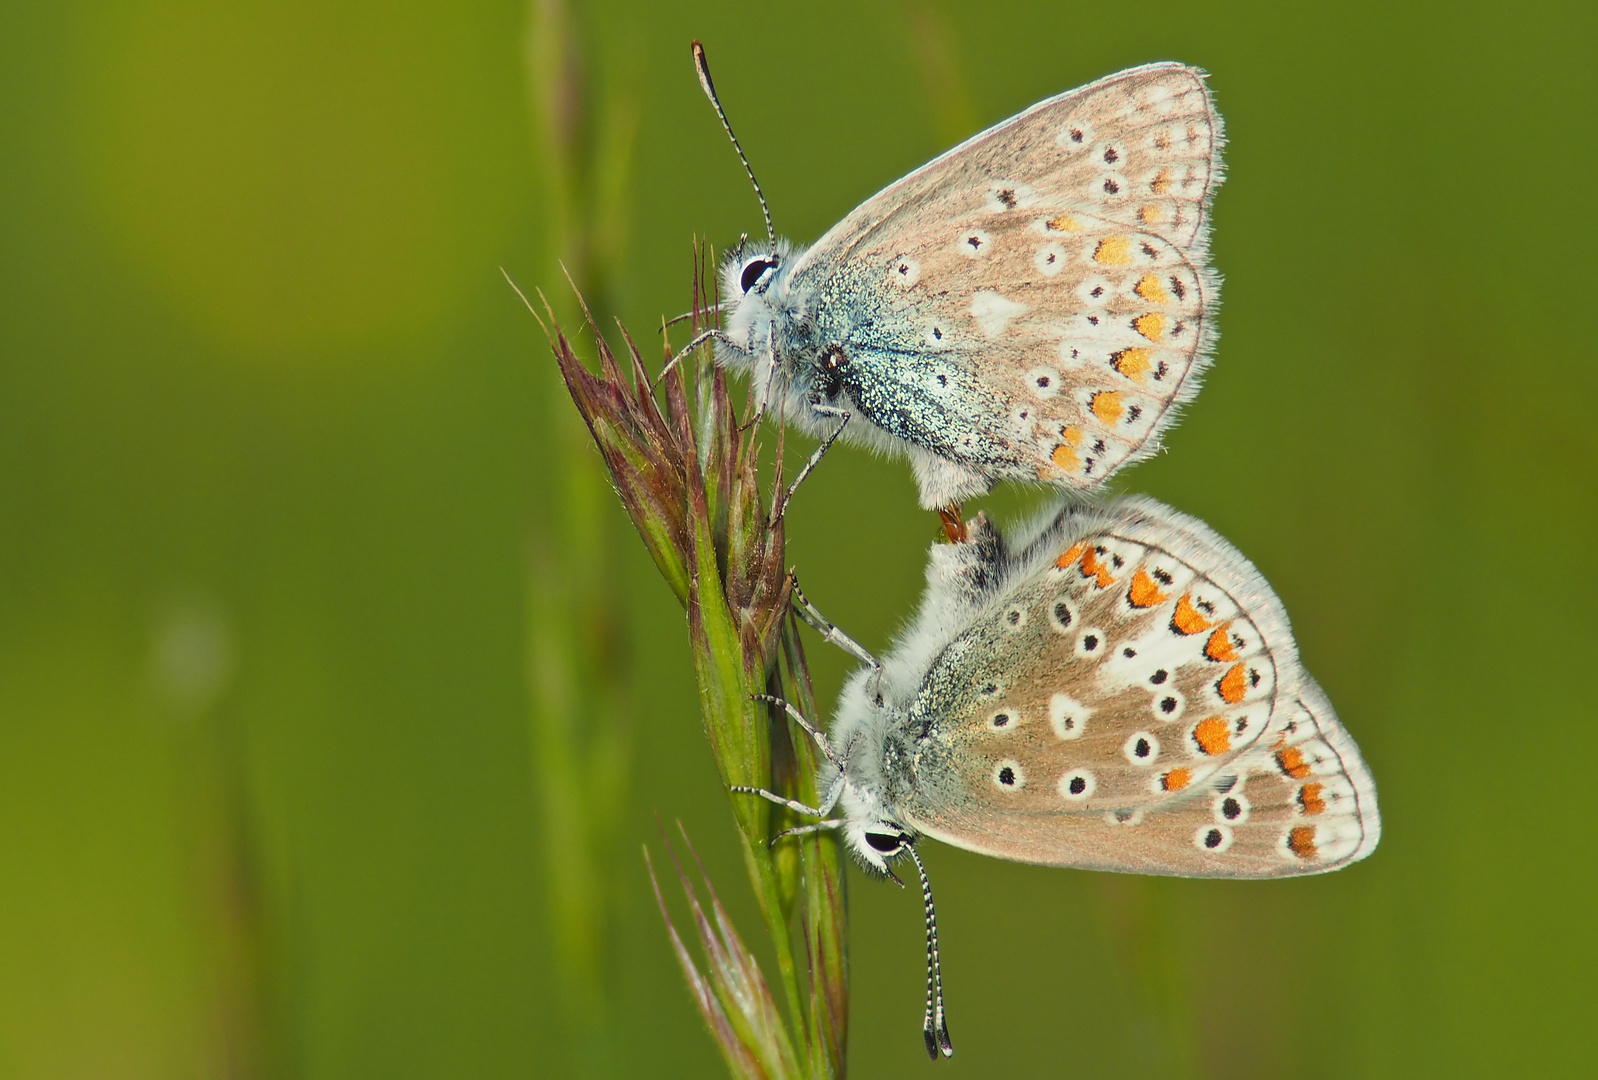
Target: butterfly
1112,688
1033,305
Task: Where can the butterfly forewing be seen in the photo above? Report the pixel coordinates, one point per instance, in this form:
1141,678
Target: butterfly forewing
1061,259
1149,714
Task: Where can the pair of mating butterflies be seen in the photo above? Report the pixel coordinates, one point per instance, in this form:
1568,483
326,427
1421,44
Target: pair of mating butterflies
1112,688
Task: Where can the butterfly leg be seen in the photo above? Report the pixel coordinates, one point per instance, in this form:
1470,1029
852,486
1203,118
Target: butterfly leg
828,800
809,729
806,830
693,343
815,458
771,373
675,319
807,611
792,804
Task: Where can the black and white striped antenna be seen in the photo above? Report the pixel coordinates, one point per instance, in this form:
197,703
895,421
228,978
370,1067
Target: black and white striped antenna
936,1027
703,67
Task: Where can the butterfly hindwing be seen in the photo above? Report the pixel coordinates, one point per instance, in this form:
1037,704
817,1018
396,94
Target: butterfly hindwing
1039,298
1133,700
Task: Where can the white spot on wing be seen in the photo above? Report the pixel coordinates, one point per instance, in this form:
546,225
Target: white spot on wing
1007,195
1049,260
1043,382
1004,720
1109,187
1067,716
1141,748
905,273
1095,292
1062,613
1112,153
1159,98
993,312
1231,809
1077,785
973,243
1090,643
1075,137
1337,839
1007,775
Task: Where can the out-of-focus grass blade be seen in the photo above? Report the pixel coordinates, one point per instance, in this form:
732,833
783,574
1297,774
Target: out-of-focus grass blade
739,1059
732,993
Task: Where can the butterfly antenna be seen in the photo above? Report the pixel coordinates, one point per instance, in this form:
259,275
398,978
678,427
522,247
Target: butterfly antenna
703,66
936,1027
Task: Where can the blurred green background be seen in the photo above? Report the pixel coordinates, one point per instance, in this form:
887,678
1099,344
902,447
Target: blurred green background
337,697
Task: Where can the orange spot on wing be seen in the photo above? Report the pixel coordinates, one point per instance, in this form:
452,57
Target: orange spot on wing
1071,435
1133,363
1149,288
1106,405
1151,326
1187,620
1176,779
1301,841
1291,761
1144,592
1072,554
1064,457
1219,647
1062,223
1092,567
1113,251
1213,736
1150,214
1309,798
1233,685
1161,184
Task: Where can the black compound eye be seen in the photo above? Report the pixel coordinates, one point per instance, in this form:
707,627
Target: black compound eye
752,271
885,842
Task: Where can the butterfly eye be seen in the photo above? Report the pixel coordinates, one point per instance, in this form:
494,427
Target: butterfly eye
753,271
887,843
